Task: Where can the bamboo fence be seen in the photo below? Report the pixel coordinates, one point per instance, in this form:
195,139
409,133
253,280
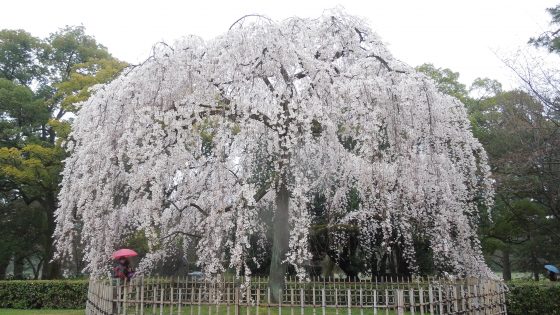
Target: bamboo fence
382,296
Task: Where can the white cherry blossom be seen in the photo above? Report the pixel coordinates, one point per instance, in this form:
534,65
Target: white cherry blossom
194,144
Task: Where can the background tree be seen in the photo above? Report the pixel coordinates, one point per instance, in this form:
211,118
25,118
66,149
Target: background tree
550,39
518,133
41,80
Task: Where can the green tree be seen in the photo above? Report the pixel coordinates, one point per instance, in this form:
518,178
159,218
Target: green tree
41,82
446,80
22,57
520,139
550,39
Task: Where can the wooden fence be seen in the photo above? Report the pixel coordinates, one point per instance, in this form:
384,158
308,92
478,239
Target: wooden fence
373,297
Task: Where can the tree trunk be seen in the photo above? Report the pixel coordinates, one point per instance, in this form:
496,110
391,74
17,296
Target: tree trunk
51,269
506,265
280,243
535,266
3,267
18,267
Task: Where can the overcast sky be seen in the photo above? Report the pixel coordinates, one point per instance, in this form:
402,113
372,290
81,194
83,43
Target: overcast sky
464,35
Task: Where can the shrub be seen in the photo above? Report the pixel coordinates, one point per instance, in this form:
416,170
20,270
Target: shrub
537,298
56,294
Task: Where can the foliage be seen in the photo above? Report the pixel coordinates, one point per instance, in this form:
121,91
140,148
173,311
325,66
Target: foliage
41,80
55,294
172,148
520,135
446,80
12,311
533,298
20,57
550,39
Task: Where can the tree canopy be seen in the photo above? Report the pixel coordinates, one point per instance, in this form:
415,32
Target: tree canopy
41,80
205,139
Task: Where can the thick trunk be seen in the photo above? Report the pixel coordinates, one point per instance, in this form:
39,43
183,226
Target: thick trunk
280,243
506,265
383,265
401,263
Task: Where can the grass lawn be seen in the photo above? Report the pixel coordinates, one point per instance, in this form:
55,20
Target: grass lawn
11,311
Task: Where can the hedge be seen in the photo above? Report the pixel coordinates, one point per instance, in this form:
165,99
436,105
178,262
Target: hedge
55,294
530,298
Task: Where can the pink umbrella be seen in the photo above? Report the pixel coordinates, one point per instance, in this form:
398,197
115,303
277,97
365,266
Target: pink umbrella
124,252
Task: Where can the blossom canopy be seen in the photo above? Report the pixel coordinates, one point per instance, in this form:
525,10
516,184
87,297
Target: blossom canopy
195,145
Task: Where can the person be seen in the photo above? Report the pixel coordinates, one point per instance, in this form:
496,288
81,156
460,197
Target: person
552,276
123,270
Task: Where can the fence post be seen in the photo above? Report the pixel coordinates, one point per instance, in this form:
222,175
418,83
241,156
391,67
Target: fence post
291,301
171,298
400,301
374,302
161,294
361,301
249,299
431,298
336,300
463,308
386,301
199,301
142,296
280,298
314,312
268,301
258,299
118,296
421,298
411,300
323,302
349,297
228,304
191,304
154,298
440,300
301,300
180,301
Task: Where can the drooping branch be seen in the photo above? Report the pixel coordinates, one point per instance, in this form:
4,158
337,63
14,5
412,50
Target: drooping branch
170,235
268,84
192,204
197,207
385,63
246,16
223,111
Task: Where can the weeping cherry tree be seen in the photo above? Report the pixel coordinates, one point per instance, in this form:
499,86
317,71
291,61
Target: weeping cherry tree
194,145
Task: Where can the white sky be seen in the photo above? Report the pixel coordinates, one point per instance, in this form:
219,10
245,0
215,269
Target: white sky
465,35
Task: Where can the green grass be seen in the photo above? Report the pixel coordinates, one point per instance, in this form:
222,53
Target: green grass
10,311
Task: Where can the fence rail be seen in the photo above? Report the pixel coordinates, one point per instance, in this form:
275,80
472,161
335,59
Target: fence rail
253,297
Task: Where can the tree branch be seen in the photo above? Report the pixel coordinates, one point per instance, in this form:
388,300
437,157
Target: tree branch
192,204
246,16
182,233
